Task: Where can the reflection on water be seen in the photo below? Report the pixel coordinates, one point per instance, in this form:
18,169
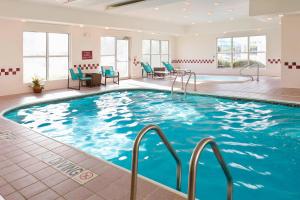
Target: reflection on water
259,141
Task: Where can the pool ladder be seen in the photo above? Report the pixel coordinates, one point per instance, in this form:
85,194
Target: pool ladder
193,163
182,74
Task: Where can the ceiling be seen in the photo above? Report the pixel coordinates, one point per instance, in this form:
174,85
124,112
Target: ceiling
183,12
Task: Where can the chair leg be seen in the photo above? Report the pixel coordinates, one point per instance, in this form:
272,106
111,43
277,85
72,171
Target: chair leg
105,81
118,79
79,84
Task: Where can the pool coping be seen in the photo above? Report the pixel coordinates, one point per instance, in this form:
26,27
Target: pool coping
76,96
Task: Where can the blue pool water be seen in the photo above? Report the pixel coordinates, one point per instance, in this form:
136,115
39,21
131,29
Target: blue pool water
259,141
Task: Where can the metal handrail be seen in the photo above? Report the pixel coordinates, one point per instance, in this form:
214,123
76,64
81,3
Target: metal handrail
186,84
193,168
135,153
251,65
182,73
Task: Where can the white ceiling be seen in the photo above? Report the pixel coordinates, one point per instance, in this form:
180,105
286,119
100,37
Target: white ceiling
183,12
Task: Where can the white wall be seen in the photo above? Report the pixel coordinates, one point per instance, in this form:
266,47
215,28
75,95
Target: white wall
200,43
290,52
86,38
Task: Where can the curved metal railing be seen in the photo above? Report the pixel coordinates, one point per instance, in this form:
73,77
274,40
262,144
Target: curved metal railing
187,82
248,66
135,153
193,168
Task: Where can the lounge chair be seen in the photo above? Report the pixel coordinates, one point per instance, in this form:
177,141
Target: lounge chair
109,72
77,77
148,69
170,68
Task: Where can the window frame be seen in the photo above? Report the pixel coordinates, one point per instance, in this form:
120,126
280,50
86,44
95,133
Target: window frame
160,54
47,56
115,55
232,50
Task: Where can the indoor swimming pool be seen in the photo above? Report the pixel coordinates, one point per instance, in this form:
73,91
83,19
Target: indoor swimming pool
259,141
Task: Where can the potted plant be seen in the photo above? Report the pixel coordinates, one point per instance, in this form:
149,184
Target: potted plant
37,85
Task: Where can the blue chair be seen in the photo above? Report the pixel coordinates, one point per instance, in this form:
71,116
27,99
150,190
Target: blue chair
78,77
148,69
170,68
109,72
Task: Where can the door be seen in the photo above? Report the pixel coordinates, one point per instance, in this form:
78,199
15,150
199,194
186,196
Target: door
122,58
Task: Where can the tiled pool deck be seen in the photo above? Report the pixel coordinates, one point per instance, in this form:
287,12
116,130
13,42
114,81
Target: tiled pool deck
35,167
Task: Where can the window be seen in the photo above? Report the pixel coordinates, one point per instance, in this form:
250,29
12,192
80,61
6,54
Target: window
238,51
45,55
155,52
115,53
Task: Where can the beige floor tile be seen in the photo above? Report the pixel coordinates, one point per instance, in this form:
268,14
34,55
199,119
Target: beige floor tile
80,193
33,189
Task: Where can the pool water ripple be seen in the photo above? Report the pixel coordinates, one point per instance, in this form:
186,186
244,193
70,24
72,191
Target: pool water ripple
259,141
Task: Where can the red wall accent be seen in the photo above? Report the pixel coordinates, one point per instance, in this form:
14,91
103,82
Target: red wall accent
87,66
194,61
292,65
274,60
9,71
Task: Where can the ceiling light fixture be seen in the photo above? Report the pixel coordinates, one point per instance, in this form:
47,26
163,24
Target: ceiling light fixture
281,15
269,18
124,3
156,8
106,28
216,4
209,13
81,26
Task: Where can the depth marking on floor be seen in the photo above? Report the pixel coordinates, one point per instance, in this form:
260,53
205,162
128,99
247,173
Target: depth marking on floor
76,172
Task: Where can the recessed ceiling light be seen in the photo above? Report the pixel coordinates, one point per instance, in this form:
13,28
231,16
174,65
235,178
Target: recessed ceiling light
224,32
269,18
281,15
216,3
139,31
157,8
209,13
106,28
23,20
193,23
152,33
81,26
